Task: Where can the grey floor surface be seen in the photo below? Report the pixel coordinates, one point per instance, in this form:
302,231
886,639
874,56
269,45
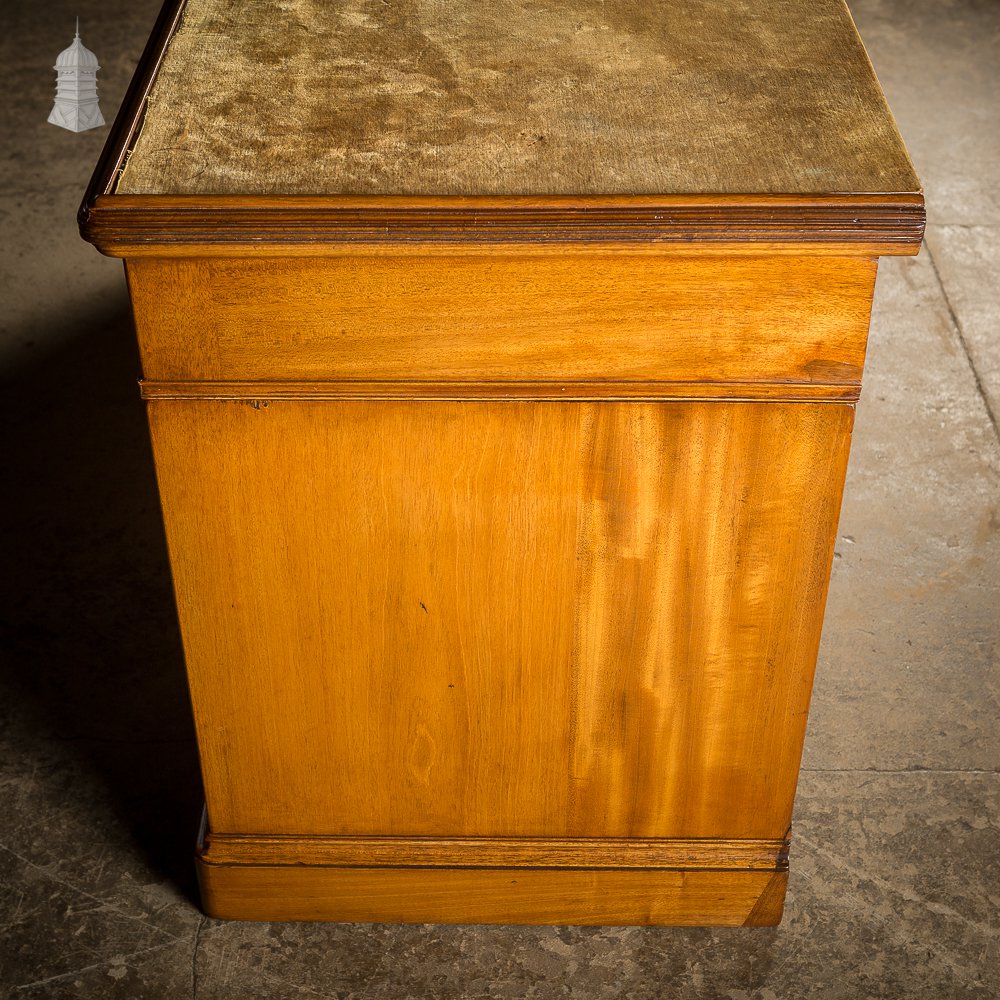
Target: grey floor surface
895,884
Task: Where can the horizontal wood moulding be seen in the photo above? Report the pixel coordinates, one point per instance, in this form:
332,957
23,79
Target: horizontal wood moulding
263,392
124,224
486,852
277,251
504,318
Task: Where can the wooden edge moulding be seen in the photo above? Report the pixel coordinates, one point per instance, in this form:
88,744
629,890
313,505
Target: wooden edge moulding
506,852
123,224
262,392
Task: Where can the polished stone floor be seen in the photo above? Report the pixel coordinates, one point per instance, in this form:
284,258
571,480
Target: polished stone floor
895,885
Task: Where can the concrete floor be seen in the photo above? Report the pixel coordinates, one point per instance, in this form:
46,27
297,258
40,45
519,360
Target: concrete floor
895,884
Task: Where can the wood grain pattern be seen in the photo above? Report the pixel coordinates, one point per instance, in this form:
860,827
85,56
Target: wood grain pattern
135,225
768,909
495,852
443,895
507,619
263,392
503,318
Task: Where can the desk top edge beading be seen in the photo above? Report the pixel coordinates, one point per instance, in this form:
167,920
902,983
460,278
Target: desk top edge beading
890,224
869,222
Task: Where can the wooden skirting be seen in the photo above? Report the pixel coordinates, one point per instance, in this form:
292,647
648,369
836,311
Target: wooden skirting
494,896
262,392
494,880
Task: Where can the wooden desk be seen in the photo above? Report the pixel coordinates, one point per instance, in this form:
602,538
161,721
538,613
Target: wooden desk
501,364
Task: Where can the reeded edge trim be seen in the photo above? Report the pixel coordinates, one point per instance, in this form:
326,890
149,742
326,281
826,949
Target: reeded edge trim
119,224
259,394
495,852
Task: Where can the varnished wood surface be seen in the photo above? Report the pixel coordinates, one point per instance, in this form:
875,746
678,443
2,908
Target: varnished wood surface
443,895
260,393
500,619
494,852
425,97
503,318
131,225
539,249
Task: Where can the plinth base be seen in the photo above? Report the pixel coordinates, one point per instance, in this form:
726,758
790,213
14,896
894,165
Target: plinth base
494,880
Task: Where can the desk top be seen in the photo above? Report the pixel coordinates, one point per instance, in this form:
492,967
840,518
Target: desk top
516,97
312,127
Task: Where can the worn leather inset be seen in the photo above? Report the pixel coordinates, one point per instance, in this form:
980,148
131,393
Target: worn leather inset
456,97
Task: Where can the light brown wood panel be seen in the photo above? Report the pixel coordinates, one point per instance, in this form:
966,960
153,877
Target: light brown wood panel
705,536
497,896
500,619
503,317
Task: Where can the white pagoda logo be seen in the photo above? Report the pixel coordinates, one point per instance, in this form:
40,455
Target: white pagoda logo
76,106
